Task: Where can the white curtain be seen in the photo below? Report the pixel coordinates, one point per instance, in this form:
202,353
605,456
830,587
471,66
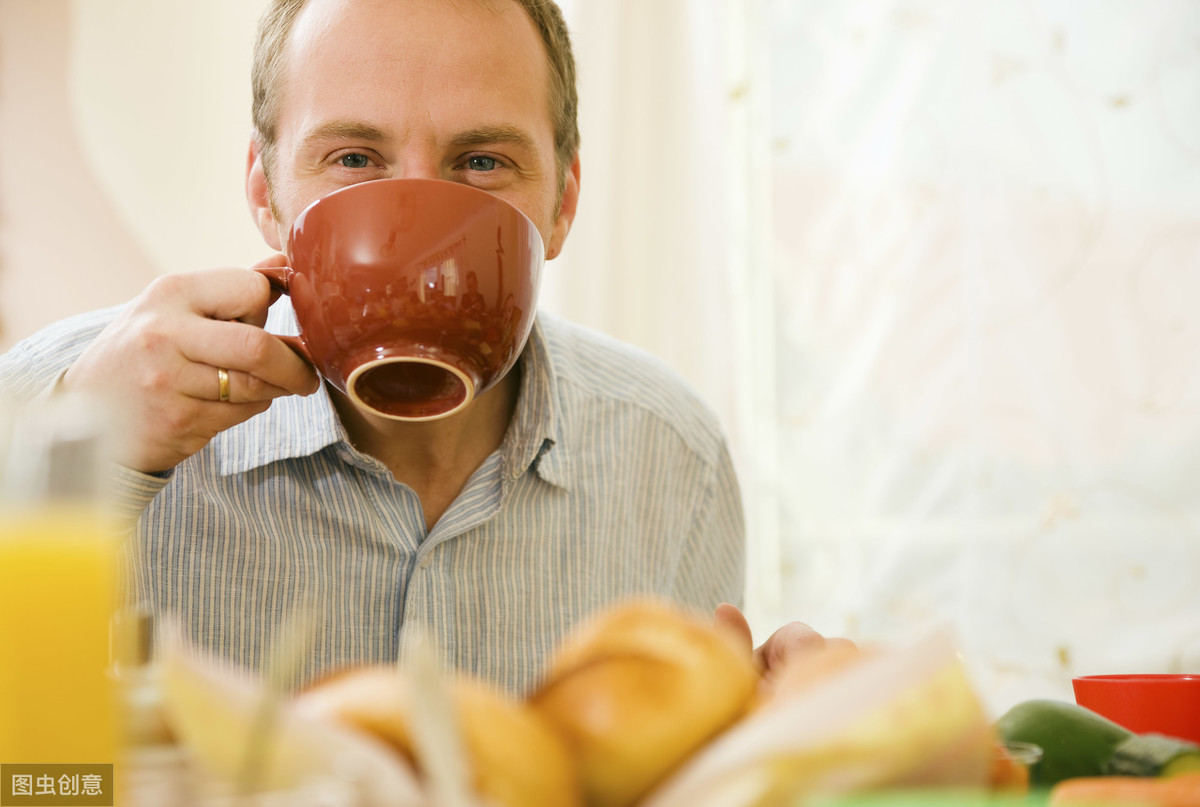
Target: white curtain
937,265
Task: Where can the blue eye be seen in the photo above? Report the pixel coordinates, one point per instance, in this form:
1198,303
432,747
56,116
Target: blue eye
354,160
480,163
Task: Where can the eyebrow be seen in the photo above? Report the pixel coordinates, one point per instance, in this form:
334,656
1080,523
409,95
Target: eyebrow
479,136
504,135
344,130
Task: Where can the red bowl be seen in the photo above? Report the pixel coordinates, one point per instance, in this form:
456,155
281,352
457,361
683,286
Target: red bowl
1163,704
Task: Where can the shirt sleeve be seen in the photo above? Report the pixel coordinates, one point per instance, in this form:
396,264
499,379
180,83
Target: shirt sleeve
130,493
32,368
713,567
30,372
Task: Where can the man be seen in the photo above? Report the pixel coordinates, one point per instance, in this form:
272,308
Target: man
589,474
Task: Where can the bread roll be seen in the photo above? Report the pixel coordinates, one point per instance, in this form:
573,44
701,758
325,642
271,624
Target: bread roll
637,690
516,759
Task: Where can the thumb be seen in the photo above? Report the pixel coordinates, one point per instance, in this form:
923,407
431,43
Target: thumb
276,260
273,268
731,620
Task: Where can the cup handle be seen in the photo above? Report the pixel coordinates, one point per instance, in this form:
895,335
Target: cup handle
278,278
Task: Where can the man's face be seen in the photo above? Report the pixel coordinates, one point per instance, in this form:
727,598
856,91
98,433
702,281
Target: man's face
377,89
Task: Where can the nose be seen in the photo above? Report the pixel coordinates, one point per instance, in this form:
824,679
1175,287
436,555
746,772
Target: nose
422,162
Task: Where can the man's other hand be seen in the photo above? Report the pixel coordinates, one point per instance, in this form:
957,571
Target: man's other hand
791,644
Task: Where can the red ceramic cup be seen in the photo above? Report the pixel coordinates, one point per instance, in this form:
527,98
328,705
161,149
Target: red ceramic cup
413,296
1162,704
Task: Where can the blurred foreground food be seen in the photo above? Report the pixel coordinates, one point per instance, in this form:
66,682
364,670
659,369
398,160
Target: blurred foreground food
515,756
646,706
1077,742
246,740
638,690
1182,790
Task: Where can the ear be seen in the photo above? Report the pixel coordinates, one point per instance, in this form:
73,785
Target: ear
566,211
258,194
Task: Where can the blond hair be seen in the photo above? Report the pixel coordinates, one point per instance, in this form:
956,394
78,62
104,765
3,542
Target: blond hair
276,26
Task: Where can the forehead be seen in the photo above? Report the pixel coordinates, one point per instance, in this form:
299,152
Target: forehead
405,54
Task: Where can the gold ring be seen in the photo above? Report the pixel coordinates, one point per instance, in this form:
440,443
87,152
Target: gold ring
222,385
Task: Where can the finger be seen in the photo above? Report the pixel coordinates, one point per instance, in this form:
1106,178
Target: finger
247,351
790,642
202,382
209,418
731,620
220,294
247,388
276,261
799,673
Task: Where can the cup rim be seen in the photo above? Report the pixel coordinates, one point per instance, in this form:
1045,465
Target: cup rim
1139,678
441,184
467,382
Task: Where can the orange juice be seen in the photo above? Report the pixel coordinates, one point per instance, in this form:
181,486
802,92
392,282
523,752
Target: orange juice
57,594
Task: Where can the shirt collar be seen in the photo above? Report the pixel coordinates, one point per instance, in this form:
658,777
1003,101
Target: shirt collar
535,437
298,426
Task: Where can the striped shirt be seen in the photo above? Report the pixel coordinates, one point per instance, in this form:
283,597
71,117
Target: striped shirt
612,481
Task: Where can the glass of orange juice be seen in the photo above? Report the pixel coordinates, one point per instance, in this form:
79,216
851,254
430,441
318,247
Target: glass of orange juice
58,587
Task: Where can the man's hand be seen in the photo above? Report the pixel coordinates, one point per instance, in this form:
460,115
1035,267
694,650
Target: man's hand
791,643
158,363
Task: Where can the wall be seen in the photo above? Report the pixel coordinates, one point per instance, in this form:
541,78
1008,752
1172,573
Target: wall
123,129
